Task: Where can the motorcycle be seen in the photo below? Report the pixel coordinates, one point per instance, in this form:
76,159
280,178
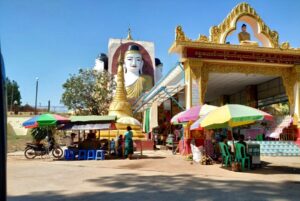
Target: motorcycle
33,150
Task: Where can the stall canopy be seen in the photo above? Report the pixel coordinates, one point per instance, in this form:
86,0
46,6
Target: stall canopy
90,122
92,118
104,126
166,88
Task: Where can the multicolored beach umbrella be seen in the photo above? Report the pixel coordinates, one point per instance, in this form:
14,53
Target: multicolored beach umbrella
196,124
45,120
233,115
195,112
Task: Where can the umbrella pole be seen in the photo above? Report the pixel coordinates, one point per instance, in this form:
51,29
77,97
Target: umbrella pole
78,136
233,147
109,141
184,131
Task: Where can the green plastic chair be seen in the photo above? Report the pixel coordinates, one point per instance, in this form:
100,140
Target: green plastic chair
226,157
240,155
259,137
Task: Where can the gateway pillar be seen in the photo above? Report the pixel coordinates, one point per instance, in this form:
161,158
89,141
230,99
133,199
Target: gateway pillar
297,104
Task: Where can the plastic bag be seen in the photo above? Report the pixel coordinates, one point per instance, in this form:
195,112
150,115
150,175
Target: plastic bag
197,152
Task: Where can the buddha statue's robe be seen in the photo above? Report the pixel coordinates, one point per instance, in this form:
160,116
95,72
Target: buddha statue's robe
244,36
142,84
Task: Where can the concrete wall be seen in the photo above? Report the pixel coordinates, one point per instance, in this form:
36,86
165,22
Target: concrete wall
16,123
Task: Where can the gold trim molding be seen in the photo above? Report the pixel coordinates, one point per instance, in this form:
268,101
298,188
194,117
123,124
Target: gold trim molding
242,11
219,33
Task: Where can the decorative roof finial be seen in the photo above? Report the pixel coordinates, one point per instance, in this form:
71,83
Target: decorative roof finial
129,37
120,58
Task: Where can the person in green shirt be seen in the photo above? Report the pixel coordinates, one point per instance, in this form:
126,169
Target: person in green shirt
128,143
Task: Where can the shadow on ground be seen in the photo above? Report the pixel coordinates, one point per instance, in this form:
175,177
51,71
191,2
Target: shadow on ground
269,169
134,187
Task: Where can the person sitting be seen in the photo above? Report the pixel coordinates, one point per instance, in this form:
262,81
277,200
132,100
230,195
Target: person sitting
103,144
89,143
241,141
71,144
225,141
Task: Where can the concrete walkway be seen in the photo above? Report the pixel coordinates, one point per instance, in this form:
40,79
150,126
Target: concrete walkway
157,176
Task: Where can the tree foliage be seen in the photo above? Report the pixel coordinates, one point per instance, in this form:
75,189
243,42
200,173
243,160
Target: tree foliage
89,92
13,93
41,133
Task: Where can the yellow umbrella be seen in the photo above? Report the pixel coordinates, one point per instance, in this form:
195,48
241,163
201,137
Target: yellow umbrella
233,115
205,109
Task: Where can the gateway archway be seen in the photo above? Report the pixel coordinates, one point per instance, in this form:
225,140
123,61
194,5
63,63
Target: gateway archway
207,56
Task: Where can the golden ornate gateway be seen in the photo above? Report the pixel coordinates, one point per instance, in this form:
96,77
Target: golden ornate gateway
211,54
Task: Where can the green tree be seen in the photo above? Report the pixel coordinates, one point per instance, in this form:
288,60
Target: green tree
40,133
13,93
89,92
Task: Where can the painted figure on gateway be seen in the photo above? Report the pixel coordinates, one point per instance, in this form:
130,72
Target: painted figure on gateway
136,82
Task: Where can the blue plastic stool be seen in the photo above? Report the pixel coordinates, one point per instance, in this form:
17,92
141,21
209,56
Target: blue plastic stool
69,154
100,155
82,155
91,155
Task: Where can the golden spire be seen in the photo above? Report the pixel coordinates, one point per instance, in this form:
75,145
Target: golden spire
129,35
120,106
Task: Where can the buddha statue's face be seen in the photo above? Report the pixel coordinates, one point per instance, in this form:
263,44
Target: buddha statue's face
134,62
244,28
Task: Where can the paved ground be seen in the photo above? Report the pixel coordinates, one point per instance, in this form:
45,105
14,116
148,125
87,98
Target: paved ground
157,176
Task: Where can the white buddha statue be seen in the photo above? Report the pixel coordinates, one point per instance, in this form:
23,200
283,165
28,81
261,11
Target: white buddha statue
159,69
136,82
101,63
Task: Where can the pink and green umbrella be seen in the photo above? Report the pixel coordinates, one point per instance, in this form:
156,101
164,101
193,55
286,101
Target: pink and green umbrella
175,120
44,120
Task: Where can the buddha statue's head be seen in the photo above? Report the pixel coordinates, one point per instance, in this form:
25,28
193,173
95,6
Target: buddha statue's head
133,61
244,28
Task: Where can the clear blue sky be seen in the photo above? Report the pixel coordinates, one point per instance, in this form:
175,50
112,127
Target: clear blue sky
50,39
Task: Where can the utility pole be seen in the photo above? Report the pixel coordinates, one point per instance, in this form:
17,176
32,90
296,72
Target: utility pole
12,95
36,94
48,106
